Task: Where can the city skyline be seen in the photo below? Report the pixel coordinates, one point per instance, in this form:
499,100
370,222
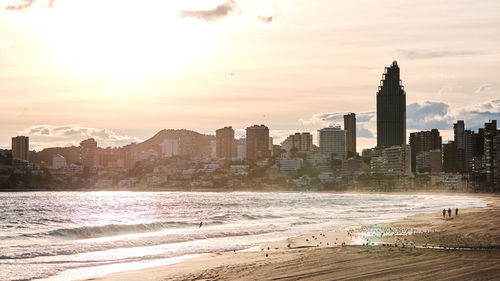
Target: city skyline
251,66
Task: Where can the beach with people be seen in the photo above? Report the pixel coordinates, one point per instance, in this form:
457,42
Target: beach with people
421,246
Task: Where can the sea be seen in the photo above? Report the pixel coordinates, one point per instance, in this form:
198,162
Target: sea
75,235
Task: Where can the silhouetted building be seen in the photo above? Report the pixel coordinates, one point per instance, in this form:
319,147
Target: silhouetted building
225,143
478,150
350,128
20,148
459,140
458,133
490,162
496,163
332,141
424,141
257,143
469,149
88,153
391,109
450,157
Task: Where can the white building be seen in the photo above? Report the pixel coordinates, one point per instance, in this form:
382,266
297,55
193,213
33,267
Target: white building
332,141
170,147
58,162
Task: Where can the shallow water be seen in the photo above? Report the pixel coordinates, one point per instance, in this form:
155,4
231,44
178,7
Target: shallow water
67,235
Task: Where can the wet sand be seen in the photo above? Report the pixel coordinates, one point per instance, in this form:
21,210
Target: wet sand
423,246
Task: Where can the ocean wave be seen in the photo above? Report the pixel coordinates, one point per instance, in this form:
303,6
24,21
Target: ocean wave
32,251
115,229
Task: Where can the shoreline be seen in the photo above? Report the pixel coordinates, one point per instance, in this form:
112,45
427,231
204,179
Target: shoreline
229,265
224,190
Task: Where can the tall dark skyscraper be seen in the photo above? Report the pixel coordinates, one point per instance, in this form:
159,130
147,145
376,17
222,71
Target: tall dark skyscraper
391,109
350,128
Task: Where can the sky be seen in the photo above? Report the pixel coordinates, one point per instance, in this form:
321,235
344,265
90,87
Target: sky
120,71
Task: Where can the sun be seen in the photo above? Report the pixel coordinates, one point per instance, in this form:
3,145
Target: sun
125,39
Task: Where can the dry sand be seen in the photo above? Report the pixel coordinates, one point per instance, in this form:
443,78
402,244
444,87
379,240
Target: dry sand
420,247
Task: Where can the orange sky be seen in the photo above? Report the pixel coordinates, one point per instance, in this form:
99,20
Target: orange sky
131,69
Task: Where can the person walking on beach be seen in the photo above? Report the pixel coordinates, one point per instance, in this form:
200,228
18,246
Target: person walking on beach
449,212
456,211
201,223
444,213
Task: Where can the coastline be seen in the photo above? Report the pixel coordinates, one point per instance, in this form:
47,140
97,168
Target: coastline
468,248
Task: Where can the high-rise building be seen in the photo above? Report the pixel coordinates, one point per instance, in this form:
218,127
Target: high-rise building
88,153
20,148
496,163
225,143
391,109
459,140
332,141
298,143
130,152
458,133
257,142
423,141
350,128
469,140
478,150
450,157
489,156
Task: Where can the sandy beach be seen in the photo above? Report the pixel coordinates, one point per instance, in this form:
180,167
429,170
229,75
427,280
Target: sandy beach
419,247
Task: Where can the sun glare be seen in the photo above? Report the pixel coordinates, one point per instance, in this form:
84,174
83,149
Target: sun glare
125,40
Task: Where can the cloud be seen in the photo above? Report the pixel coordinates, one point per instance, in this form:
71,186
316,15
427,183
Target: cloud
362,132
325,119
428,115
425,115
221,11
43,136
477,114
431,54
484,88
